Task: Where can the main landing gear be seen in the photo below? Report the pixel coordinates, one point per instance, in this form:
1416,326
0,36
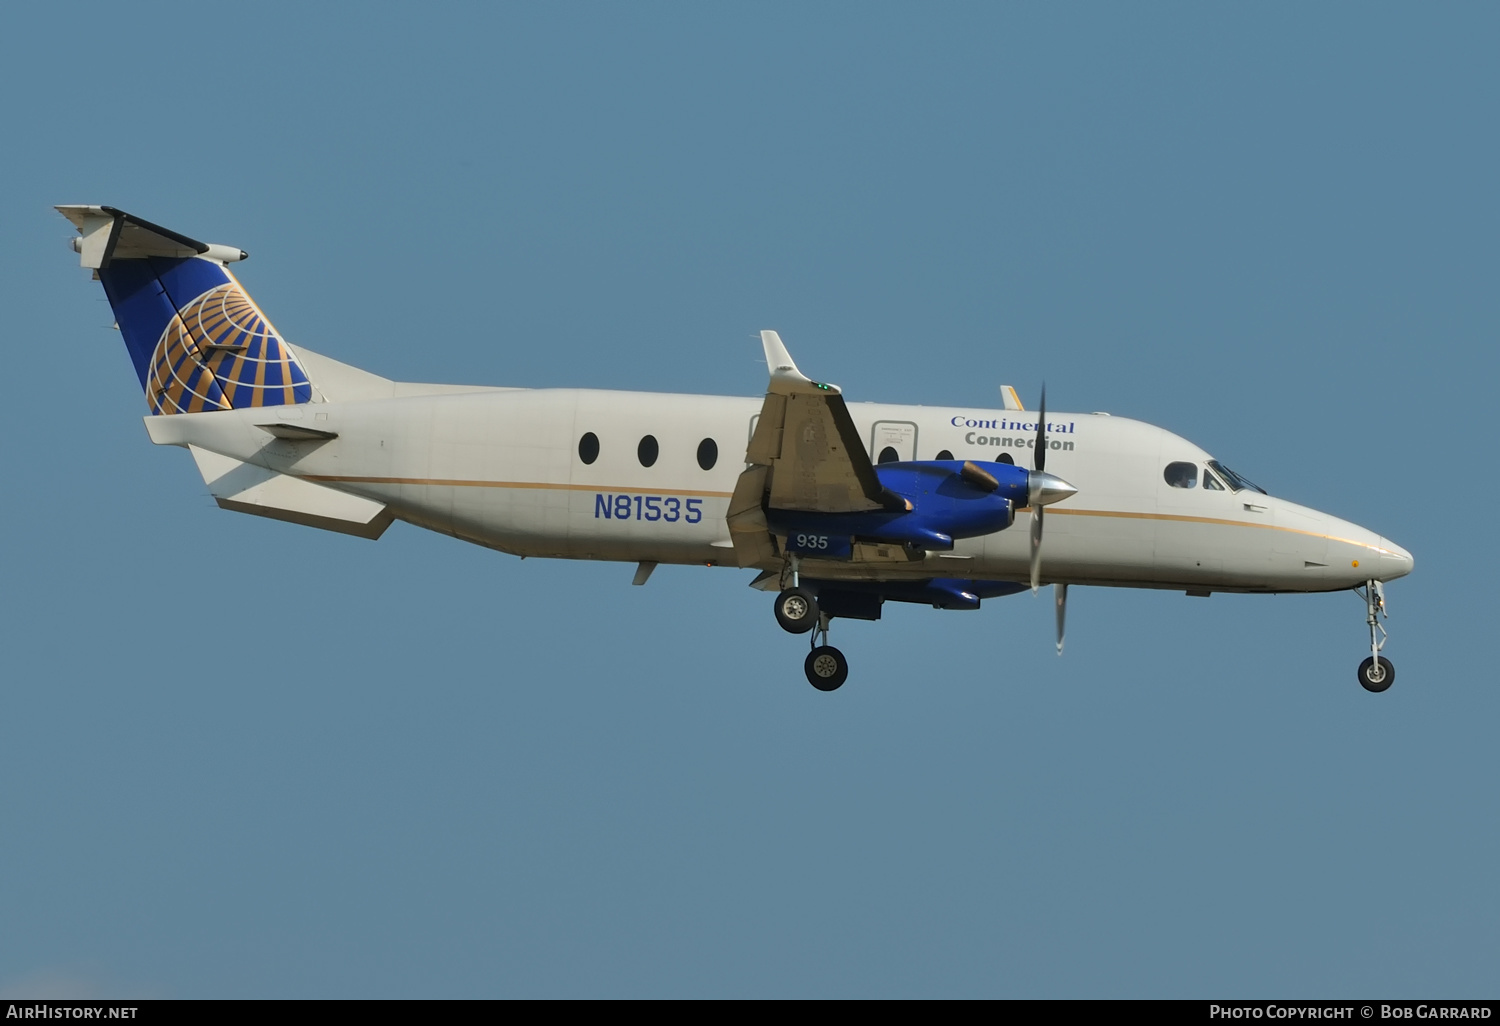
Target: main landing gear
1376,673
797,612
825,666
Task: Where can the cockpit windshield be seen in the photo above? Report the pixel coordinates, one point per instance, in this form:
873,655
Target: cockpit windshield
1234,480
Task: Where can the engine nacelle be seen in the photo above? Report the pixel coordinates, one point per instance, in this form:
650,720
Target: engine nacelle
949,499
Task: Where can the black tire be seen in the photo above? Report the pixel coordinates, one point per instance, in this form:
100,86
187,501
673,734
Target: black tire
826,668
797,610
1376,679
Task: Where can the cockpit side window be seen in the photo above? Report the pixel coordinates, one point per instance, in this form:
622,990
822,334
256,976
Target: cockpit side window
1234,480
1210,482
1181,475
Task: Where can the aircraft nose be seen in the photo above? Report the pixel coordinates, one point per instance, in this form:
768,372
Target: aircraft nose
1394,561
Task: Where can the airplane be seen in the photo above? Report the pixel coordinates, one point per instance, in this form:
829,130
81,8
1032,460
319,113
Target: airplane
839,507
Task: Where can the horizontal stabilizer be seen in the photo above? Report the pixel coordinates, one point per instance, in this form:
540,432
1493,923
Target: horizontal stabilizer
245,488
109,233
298,433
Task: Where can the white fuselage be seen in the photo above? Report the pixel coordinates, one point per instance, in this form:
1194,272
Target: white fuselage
502,468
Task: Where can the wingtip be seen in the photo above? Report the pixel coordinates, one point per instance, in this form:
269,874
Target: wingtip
783,369
777,358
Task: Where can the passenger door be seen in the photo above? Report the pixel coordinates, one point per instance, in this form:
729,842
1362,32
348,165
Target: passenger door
892,441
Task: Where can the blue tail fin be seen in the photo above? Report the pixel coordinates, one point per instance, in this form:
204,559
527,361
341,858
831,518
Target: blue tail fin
197,339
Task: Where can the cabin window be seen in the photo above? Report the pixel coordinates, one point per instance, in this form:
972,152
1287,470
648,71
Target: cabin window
1181,475
588,447
1211,483
1006,457
888,455
648,450
943,455
708,453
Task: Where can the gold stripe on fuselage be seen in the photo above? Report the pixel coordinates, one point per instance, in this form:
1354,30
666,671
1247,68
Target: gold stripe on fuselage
1211,520
624,490
462,483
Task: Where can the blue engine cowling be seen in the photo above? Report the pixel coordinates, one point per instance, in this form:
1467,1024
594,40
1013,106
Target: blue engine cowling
946,503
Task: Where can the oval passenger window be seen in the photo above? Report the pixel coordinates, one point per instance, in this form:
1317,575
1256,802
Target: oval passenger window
1006,457
1181,475
588,447
708,453
888,455
943,455
647,451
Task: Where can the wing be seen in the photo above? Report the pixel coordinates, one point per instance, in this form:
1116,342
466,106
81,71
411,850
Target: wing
805,454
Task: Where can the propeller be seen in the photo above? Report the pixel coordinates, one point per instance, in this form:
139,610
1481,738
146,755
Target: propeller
1039,465
1044,488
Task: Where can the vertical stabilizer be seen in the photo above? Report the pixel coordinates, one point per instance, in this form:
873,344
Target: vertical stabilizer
197,339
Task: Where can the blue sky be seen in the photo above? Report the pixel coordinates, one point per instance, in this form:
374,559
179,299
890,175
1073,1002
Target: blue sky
239,758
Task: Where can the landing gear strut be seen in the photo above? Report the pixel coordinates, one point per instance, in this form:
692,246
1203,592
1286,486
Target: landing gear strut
825,665
1376,673
796,607
798,613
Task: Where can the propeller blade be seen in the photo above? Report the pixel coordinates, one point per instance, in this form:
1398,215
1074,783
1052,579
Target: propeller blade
1039,454
1036,547
1038,464
1062,612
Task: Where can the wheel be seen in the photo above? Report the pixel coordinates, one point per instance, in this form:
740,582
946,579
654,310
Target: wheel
826,668
1376,677
797,610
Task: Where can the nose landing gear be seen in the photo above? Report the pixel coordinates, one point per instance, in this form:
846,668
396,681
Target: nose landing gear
1376,673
